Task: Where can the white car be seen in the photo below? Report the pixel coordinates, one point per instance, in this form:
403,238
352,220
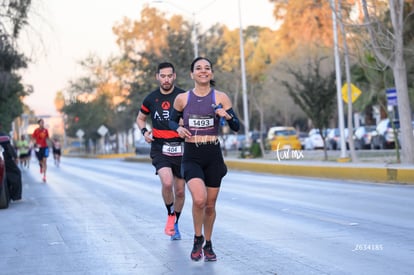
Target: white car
314,140
232,142
383,137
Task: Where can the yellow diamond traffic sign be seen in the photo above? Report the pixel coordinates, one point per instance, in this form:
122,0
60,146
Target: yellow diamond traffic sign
355,92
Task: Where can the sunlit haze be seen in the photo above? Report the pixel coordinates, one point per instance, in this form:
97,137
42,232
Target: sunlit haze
64,32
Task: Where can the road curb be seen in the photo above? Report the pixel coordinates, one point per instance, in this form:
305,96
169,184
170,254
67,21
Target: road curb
363,173
111,156
138,159
398,175
101,156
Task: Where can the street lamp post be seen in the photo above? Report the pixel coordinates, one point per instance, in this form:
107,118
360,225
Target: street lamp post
243,78
195,39
338,82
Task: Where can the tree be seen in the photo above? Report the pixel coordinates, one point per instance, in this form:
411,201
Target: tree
10,100
87,116
261,53
59,101
305,31
99,97
156,38
144,44
387,43
314,93
304,22
13,16
306,25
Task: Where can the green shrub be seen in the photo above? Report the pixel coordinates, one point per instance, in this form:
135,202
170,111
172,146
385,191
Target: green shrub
255,150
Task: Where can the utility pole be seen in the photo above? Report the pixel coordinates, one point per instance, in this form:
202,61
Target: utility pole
243,78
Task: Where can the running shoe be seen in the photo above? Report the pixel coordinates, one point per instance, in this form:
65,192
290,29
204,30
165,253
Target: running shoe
169,226
197,251
209,255
44,178
177,235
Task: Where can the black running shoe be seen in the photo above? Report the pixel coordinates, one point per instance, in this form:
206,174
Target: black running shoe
197,251
209,255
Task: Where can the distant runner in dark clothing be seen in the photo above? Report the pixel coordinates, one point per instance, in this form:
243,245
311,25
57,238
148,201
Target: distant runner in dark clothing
57,151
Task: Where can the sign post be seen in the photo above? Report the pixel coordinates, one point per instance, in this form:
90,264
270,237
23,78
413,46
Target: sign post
392,105
355,93
102,131
80,133
391,96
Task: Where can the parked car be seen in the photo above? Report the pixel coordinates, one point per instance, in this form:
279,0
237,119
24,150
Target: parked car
4,190
11,179
228,142
362,137
241,142
282,137
302,137
383,137
231,142
333,139
314,140
142,147
257,136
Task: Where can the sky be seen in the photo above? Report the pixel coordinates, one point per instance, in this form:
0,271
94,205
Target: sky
64,32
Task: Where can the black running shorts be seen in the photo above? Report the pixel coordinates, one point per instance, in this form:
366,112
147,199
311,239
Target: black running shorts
42,153
159,160
205,161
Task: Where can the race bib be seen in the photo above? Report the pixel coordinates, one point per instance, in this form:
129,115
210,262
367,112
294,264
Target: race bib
173,149
200,122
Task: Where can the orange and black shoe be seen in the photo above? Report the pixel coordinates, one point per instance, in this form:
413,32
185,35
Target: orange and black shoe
209,255
197,251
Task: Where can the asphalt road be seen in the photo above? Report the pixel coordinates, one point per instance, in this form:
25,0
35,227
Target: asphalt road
106,217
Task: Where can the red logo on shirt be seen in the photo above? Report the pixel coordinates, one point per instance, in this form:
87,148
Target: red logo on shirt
165,105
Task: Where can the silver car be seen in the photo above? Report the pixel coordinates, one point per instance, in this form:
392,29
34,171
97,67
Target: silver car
363,136
383,137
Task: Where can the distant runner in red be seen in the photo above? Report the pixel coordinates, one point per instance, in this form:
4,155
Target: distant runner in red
40,138
166,145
